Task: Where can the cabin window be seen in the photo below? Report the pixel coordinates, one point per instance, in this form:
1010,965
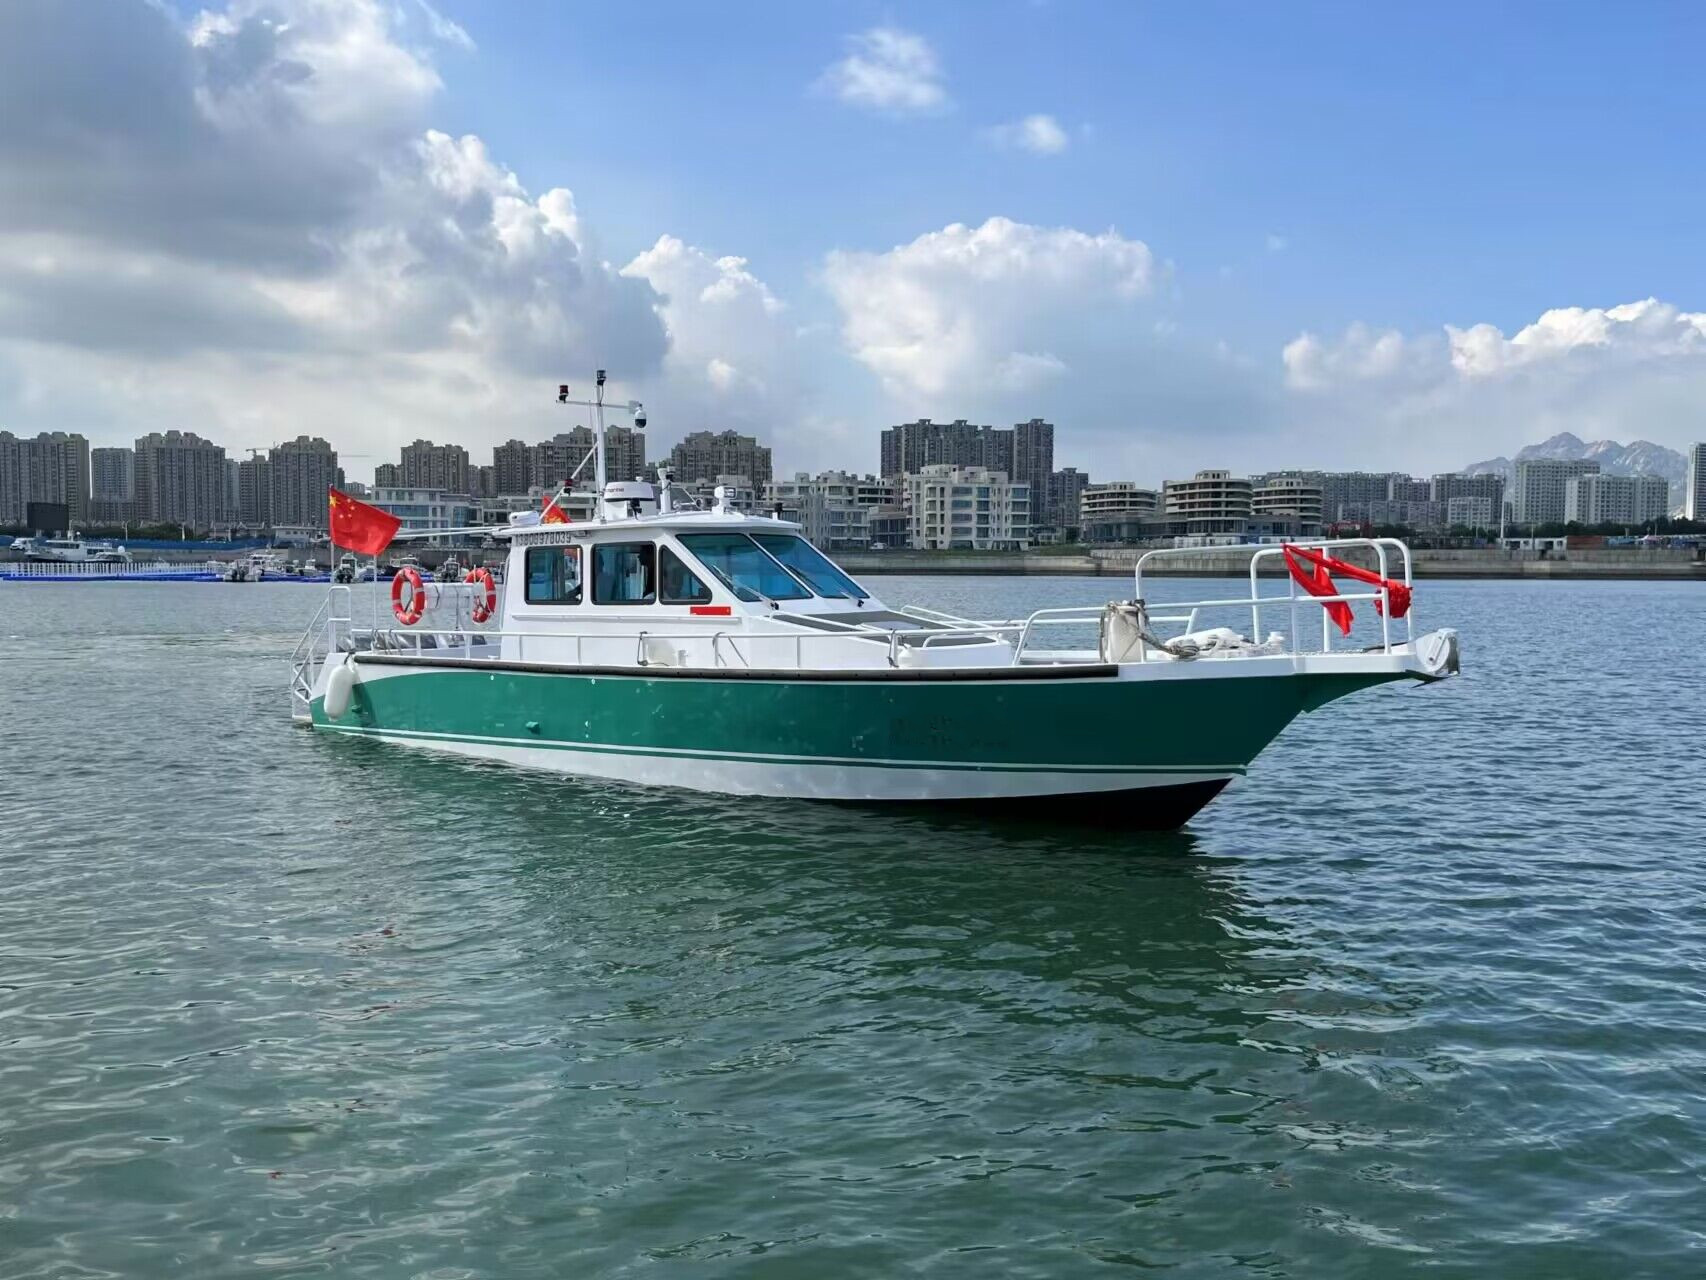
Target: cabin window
677,584
624,573
743,568
553,575
807,562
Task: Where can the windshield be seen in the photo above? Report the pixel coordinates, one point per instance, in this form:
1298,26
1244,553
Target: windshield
742,567
809,563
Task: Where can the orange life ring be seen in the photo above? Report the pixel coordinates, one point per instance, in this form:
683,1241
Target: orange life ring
485,592
410,613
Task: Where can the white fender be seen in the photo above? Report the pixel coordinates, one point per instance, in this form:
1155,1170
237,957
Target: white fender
340,690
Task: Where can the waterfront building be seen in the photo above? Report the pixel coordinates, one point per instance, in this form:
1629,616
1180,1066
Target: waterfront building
1603,499
112,475
703,455
512,466
833,508
231,491
1024,453
423,509
180,479
1408,489
966,508
1211,502
52,467
302,471
1488,485
483,482
1033,464
912,446
1065,496
426,465
1694,496
1537,496
1423,514
1288,496
1116,498
1472,510
254,492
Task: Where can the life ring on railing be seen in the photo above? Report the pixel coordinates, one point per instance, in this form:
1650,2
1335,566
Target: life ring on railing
485,592
408,609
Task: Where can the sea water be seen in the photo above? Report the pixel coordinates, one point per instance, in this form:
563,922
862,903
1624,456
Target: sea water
1422,995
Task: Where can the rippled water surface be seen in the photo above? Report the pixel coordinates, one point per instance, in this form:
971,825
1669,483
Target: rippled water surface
1421,995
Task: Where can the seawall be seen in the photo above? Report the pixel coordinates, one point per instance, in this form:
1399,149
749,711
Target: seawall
1234,562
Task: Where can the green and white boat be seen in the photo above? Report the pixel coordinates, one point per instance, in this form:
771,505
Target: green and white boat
718,650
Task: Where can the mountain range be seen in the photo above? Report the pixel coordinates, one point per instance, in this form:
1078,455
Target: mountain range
1637,458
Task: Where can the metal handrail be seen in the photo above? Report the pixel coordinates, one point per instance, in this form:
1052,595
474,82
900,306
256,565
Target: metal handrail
1255,600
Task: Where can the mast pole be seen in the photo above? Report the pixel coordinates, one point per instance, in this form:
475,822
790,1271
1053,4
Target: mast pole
598,444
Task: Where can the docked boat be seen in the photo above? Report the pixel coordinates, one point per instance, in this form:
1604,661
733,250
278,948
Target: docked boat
720,651
70,550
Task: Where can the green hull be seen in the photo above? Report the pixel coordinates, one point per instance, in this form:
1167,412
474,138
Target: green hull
1084,723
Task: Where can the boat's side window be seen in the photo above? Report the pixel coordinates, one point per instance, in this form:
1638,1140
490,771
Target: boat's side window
553,575
624,573
677,584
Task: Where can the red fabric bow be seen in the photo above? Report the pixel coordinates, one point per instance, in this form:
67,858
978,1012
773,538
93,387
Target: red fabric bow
1319,582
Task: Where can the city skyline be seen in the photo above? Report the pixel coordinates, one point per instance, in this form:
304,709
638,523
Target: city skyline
384,222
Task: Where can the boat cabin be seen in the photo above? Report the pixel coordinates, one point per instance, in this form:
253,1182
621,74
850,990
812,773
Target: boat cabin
650,584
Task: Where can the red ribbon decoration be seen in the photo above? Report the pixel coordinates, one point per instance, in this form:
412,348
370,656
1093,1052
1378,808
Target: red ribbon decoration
1397,592
1318,583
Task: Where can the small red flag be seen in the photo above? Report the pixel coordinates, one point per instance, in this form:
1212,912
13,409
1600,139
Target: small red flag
553,514
363,529
1318,583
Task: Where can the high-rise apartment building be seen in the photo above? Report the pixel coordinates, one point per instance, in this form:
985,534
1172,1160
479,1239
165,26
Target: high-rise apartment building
1603,499
388,475
702,455
51,467
112,475
1065,494
1694,496
1537,496
426,465
512,467
1446,486
180,479
303,470
912,446
1033,455
254,492
552,462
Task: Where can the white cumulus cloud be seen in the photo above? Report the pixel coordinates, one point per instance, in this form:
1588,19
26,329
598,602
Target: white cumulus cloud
964,307
1039,134
888,70
249,219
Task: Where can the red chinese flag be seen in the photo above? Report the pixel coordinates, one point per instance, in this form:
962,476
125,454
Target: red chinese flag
1319,583
553,514
363,529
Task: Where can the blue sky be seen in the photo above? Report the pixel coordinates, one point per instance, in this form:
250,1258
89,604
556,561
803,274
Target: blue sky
1192,235
1424,165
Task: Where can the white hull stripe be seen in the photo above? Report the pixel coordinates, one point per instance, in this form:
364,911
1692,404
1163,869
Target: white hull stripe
599,748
